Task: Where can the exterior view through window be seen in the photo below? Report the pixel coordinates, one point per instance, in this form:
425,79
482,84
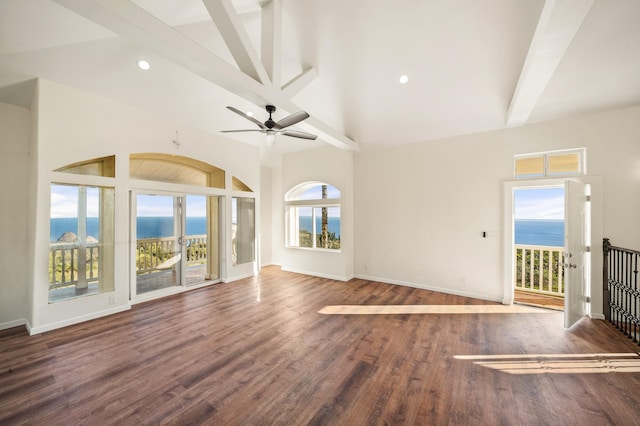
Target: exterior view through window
313,216
80,241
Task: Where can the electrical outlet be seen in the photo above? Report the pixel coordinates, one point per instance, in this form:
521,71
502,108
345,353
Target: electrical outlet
112,299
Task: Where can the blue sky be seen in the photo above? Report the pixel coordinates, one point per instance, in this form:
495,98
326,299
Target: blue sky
162,205
64,203
315,193
539,203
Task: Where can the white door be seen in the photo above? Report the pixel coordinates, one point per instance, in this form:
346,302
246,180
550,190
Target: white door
574,253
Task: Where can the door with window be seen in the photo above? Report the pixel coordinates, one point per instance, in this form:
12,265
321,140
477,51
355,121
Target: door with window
175,240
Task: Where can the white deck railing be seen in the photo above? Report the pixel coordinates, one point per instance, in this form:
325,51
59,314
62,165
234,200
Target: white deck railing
539,269
63,264
150,254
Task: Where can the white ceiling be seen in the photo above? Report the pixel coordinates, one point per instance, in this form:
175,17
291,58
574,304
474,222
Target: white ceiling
465,60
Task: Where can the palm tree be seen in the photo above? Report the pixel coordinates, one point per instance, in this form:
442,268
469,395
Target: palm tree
324,239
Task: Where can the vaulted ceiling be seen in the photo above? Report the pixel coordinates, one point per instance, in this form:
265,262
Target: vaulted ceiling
472,65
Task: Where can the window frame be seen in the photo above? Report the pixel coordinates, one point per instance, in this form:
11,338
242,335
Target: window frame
105,247
581,153
292,231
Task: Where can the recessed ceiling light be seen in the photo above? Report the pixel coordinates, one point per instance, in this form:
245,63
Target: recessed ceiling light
403,79
143,64
250,113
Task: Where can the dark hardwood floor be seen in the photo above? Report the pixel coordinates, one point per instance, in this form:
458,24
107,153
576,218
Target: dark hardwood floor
258,351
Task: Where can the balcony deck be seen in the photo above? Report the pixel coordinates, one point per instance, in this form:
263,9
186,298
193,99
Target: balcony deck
145,283
540,300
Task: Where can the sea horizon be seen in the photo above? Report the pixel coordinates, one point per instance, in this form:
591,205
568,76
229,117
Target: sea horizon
539,232
162,226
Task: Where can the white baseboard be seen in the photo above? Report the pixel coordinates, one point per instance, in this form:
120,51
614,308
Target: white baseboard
14,323
597,316
76,320
431,288
318,274
238,277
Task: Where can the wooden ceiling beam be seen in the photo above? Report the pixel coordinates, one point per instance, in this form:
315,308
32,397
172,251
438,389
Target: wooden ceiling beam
559,22
235,36
139,26
272,40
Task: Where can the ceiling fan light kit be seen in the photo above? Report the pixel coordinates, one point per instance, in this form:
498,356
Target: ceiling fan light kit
271,128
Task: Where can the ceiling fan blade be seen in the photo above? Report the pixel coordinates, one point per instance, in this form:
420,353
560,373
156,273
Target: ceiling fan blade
244,130
294,118
248,117
297,134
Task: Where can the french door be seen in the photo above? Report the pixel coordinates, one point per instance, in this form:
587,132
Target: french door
173,240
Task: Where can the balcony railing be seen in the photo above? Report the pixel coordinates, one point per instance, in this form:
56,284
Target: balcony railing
151,253
154,254
539,269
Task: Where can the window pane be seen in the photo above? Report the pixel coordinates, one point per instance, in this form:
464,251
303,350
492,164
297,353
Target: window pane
81,241
243,227
305,226
313,192
530,166
327,233
564,163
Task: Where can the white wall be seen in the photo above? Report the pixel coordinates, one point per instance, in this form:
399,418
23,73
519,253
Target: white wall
266,209
421,209
334,167
75,126
15,123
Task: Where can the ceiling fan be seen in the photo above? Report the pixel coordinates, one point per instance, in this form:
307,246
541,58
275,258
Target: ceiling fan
271,128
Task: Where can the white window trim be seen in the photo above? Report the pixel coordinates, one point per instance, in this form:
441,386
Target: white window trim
582,163
292,225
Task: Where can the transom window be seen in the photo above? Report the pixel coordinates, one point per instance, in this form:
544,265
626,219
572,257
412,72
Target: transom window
555,163
313,216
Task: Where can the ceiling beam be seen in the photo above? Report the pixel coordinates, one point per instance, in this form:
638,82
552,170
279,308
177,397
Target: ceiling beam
296,84
140,27
235,36
272,40
559,22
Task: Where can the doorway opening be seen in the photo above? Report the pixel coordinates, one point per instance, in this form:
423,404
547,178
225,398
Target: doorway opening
576,255
176,241
538,244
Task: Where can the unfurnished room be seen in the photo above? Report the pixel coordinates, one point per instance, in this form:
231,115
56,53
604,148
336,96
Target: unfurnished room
331,212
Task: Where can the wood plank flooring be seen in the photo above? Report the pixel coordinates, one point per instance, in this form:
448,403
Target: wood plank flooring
257,351
534,299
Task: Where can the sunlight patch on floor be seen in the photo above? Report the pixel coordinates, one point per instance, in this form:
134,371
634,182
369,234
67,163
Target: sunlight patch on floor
558,363
429,309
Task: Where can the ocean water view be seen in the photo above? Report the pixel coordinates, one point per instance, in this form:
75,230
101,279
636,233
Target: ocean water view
539,232
160,227
333,224
147,227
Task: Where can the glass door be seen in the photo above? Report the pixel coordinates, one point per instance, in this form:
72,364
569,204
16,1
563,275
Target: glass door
176,240
158,242
195,239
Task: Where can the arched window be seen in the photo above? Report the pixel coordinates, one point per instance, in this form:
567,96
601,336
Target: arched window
313,216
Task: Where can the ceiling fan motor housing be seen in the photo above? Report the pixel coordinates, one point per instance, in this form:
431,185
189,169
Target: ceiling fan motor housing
270,123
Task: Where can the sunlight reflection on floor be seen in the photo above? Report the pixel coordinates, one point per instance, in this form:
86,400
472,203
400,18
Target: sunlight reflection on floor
430,309
558,363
